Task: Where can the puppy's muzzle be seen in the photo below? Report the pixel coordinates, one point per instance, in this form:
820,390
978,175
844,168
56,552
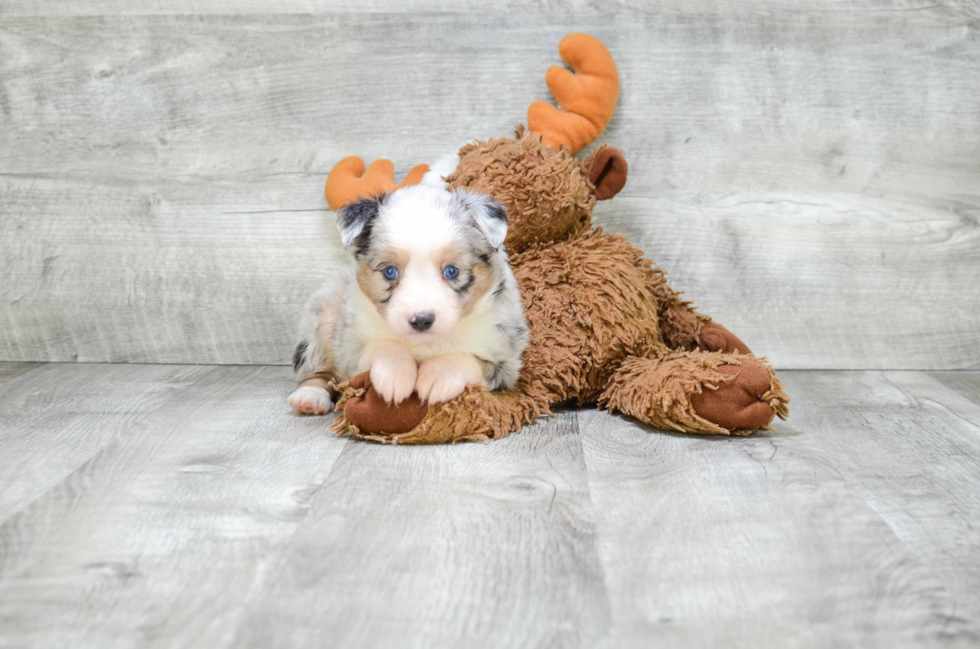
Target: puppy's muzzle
422,321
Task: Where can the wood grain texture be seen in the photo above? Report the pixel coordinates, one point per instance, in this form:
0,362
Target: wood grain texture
695,7
965,384
52,421
487,545
220,519
808,176
161,536
848,526
932,503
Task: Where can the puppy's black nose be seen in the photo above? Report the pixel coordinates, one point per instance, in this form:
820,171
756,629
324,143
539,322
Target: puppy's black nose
422,321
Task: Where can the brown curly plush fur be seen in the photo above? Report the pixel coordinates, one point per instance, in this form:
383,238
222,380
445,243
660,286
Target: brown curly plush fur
529,178
605,326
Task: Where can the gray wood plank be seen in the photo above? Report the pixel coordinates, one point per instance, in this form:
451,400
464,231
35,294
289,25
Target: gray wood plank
54,417
965,384
222,519
850,525
489,545
700,7
919,467
808,176
10,372
190,275
162,536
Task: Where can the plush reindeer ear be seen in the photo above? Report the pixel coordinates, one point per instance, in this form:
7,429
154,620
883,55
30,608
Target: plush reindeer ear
489,216
606,169
353,218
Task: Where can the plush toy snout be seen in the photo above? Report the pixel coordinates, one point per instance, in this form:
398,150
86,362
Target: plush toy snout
606,170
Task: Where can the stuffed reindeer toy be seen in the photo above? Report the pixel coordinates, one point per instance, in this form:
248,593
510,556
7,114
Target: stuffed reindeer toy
605,327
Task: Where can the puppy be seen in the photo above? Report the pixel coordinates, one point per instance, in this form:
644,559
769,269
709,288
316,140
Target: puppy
428,305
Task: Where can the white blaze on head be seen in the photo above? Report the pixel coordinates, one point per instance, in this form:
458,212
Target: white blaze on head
419,219
421,222
421,230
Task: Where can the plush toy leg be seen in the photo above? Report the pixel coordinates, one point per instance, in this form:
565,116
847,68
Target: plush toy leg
679,320
698,392
682,327
712,337
475,415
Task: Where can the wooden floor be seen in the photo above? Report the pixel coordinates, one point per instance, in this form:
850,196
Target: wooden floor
150,505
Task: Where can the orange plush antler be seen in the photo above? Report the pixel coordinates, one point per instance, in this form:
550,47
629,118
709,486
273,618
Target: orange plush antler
348,181
587,97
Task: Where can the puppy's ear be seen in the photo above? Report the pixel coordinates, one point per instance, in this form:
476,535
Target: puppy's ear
489,216
354,217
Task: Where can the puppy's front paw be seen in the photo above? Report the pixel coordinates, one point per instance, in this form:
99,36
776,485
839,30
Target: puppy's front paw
309,400
439,381
394,377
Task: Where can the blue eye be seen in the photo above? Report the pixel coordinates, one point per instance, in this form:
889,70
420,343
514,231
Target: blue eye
450,272
390,273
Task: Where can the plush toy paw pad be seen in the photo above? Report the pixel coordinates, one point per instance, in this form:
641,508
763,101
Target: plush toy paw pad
309,400
715,338
736,404
372,414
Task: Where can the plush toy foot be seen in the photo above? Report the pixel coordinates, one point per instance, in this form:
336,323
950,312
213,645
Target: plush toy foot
371,413
737,404
715,338
697,392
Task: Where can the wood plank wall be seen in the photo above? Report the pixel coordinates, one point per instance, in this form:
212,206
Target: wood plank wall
809,173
